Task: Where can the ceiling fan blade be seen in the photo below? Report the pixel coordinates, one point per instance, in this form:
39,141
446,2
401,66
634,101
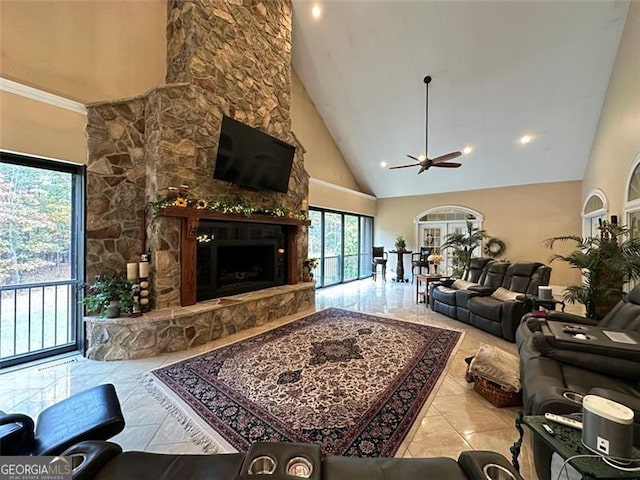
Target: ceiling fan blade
448,156
405,166
447,164
416,159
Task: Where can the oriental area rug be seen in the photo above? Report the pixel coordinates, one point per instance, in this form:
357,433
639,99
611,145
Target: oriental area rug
352,383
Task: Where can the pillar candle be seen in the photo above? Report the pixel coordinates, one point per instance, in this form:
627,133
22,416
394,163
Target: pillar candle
132,272
144,269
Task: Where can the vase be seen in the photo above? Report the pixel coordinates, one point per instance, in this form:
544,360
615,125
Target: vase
113,309
435,268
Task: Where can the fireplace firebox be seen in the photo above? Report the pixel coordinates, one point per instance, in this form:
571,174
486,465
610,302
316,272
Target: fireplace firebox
235,257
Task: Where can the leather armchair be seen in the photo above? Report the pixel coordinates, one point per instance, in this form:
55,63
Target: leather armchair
501,317
548,378
93,414
106,461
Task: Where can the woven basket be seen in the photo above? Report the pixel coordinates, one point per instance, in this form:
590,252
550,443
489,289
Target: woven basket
497,395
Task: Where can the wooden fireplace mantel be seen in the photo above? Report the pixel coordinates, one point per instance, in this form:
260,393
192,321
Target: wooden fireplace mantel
188,231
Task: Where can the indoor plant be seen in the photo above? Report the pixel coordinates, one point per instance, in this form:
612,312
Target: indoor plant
108,295
462,245
400,243
606,261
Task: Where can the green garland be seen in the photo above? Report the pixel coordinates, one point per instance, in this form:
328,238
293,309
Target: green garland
494,247
235,204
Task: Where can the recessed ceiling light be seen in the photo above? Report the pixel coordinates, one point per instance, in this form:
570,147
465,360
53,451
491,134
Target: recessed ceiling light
467,150
383,164
525,139
316,11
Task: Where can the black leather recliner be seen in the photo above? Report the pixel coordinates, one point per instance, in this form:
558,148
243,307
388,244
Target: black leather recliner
93,414
549,379
454,302
105,461
442,295
501,317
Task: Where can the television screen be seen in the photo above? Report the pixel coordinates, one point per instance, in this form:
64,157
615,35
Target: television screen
251,158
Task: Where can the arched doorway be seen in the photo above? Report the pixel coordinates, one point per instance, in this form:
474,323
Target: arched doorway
434,224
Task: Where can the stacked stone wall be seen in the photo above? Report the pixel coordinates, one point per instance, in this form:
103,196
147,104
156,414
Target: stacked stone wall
224,58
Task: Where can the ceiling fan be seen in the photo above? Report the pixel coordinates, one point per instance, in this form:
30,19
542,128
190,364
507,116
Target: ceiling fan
426,163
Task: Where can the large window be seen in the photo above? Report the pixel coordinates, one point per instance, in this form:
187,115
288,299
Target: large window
342,242
40,257
593,212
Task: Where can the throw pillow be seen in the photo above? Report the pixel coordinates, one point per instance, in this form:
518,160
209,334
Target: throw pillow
462,284
497,366
505,295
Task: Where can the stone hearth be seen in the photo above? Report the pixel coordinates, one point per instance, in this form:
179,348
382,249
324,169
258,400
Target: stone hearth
175,329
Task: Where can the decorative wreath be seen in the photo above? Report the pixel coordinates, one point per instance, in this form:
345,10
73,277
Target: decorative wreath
494,247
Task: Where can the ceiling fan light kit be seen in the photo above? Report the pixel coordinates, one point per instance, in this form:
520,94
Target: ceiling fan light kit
427,163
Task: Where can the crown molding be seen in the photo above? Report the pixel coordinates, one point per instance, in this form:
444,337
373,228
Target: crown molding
341,188
41,96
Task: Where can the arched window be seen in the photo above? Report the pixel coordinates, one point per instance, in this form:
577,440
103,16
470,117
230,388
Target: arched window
632,203
434,224
595,209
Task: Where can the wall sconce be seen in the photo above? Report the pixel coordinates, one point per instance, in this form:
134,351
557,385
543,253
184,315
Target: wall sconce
281,251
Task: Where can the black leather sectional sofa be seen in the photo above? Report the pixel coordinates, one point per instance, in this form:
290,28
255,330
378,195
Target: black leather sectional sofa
552,373
106,461
480,306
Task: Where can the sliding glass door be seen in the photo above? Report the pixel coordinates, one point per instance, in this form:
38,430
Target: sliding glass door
342,242
41,217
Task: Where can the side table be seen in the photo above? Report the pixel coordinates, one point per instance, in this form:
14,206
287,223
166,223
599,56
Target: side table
420,278
567,442
549,304
400,264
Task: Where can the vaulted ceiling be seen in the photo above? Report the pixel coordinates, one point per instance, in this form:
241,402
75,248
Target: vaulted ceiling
500,70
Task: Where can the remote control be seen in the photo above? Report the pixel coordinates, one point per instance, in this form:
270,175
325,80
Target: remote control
569,422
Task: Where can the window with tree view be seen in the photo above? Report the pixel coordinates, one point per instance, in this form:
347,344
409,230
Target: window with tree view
342,242
38,264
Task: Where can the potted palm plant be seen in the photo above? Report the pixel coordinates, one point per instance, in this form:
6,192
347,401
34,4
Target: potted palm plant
607,262
400,243
108,296
463,245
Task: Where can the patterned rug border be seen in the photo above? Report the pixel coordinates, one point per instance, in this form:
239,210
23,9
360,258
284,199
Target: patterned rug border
212,442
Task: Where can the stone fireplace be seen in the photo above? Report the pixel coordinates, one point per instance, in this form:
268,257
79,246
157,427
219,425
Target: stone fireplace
223,58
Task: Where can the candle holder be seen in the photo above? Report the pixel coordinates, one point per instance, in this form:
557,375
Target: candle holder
145,301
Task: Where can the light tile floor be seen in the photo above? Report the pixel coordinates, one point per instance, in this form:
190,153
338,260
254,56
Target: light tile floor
457,420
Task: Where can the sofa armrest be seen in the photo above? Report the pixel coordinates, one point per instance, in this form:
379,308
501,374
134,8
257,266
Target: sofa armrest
512,313
570,318
442,283
88,457
481,290
616,362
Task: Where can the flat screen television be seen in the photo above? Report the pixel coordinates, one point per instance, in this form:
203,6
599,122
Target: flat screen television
251,158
